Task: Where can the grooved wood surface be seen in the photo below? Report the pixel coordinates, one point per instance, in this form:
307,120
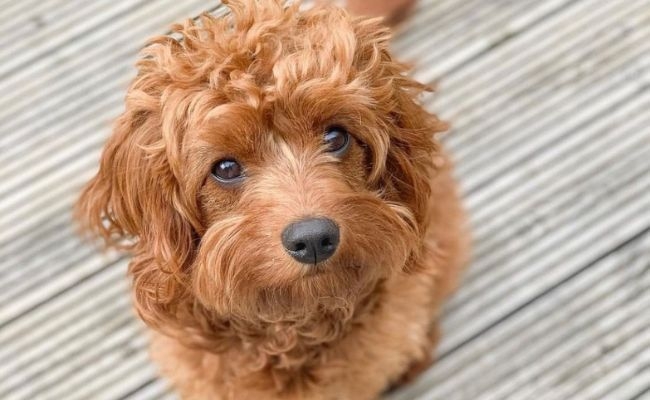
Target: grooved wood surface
549,104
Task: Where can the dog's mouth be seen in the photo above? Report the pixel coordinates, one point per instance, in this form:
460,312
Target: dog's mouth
313,270
322,269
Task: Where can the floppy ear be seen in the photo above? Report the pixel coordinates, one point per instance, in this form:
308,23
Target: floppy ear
135,203
414,153
407,166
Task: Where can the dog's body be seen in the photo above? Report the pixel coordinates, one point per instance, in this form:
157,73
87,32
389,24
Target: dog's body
294,223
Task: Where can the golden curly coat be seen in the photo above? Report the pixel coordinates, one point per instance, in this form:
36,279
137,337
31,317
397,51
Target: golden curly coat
234,316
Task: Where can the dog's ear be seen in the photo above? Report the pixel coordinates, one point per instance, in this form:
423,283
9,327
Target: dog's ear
136,202
405,166
413,154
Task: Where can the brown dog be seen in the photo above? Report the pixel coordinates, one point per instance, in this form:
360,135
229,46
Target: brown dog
293,221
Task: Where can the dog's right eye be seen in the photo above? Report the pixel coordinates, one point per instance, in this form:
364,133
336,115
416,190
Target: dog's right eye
227,171
336,139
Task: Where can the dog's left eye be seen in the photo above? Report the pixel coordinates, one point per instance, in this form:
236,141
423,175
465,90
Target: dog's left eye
337,140
227,171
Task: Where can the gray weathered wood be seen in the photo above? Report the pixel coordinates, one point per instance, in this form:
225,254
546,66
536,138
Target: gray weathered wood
551,135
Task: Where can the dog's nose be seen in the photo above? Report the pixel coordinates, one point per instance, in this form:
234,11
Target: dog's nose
311,240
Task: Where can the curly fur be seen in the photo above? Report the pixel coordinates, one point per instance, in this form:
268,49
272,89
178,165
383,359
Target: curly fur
233,316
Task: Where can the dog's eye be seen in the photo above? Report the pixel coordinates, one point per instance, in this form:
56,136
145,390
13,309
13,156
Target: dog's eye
227,171
337,139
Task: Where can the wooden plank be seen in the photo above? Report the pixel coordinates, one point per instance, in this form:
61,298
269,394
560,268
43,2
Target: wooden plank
57,252
532,57
63,282
102,380
22,242
544,339
106,347
83,60
480,37
548,103
636,387
580,233
62,33
62,320
18,25
152,391
466,19
566,174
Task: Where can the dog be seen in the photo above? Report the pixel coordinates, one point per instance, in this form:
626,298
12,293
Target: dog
291,214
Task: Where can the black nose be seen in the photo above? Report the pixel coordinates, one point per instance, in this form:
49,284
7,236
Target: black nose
312,240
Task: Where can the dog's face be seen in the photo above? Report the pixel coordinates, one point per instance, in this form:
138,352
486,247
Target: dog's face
266,162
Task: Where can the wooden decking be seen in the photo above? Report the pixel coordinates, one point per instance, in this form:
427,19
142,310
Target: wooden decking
550,105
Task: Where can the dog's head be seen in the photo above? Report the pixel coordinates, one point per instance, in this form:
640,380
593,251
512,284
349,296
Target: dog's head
266,161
